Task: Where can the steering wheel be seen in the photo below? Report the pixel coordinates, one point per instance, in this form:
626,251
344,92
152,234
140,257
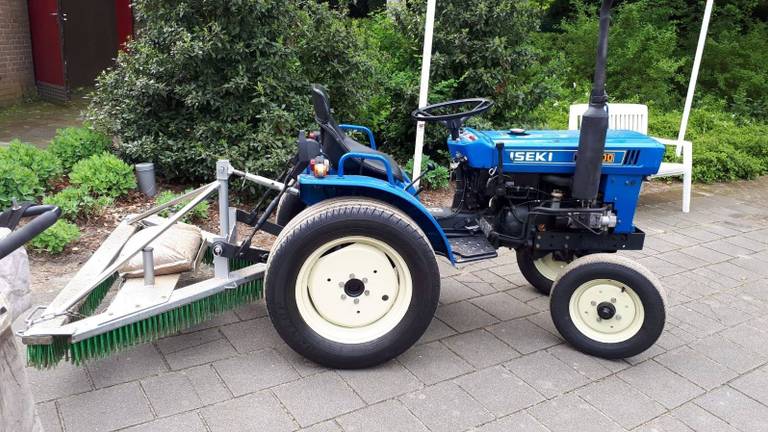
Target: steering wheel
455,120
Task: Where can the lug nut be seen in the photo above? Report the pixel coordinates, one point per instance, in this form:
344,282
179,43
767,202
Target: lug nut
341,284
618,317
365,280
367,292
351,275
613,299
593,303
343,297
357,300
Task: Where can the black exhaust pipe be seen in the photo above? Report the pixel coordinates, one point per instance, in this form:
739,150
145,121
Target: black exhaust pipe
594,123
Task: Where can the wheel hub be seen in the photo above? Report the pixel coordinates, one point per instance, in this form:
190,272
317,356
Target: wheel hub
354,288
606,310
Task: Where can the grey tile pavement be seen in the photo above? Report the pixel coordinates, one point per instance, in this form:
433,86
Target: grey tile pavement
491,360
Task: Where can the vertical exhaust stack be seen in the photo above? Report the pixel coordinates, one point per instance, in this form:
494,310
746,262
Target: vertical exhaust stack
594,124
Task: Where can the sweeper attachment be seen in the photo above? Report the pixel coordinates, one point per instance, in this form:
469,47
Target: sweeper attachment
162,253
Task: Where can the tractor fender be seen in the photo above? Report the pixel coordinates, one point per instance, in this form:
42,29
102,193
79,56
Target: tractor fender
314,190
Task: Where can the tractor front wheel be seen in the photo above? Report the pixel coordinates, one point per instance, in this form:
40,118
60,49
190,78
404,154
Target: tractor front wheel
539,272
351,283
608,306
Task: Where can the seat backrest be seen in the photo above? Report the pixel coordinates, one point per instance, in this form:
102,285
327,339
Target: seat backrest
323,115
632,117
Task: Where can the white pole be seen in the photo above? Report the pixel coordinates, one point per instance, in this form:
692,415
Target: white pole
426,64
695,72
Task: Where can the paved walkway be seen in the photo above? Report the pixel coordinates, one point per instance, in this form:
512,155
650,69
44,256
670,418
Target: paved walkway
491,360
36,122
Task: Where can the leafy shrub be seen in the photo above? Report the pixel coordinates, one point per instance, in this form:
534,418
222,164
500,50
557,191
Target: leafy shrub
225,79
198,213
77,201
74,144
56,238
44,164
103,175
439,178
17,182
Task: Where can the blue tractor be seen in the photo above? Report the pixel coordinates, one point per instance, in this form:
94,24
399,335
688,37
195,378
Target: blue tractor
353,279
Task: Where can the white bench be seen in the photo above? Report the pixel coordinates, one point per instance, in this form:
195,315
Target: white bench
634,117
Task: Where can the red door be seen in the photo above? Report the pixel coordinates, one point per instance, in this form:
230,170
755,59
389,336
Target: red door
45,30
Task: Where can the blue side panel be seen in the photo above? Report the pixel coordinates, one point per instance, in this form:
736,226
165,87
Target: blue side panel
314,190
622,191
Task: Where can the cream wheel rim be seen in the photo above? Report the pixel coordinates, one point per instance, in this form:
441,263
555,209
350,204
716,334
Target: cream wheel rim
606,311
549,267
353,290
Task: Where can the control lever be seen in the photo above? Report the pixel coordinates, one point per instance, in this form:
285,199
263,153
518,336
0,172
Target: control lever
430,167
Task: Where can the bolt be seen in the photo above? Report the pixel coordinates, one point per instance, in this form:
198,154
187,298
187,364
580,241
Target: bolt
351,275
367,292
593,303
365,280
357,300
343,297
618,317
341,284
613,299
599,319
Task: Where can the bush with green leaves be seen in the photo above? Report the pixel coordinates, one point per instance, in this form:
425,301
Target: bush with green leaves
225,79
198,212
77,202
46,166
56,238
73,144
439,178
17,182
103,175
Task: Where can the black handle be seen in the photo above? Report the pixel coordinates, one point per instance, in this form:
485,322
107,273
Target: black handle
45,216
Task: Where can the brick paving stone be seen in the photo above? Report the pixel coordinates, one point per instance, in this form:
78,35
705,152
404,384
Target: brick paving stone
735,408
301,364
544,320
225,318
436,330
665,423
660,384
384,417
63,380
521,421
754,385
135,363
592,367
200,354
499,391
620,402
682,260
317,398
569,413
252,335
490,277
503,306
546,373
251,311
49,416
186,341
699,419
696,367
749,337
433,362
703,324
728,353
464,316
719,311
710,256
728,247
445,407
733,271
255,371
328,426
484,288
524,336
480,348
452,291
255,412
105,409
187,422
171,393
381,382
207,384
660,267
525,293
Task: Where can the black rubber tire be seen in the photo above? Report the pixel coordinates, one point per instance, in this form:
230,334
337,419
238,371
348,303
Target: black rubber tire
529,271
287,209
621,269
333,219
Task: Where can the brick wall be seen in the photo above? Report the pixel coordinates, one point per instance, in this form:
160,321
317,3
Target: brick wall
16,73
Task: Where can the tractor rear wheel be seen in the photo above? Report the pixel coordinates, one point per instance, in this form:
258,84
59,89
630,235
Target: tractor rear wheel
608,306
539,272
351,283
287,209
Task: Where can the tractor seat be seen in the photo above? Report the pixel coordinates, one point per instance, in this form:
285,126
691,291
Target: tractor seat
336,143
